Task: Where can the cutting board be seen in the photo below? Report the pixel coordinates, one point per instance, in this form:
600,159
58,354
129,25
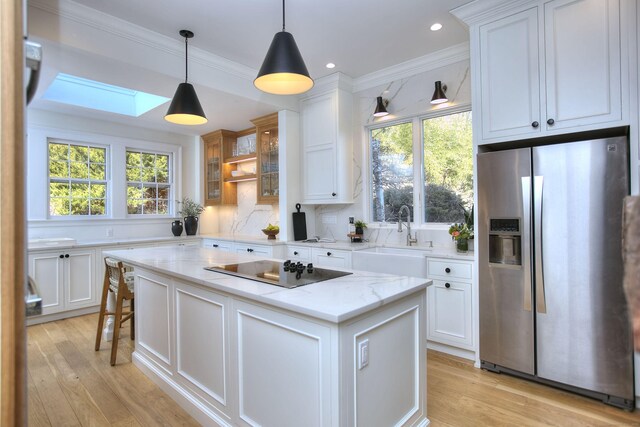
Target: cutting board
299,224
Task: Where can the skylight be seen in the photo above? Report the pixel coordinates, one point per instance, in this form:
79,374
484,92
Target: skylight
87,93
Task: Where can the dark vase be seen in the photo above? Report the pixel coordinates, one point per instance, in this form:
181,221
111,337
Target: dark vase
191,225
176,227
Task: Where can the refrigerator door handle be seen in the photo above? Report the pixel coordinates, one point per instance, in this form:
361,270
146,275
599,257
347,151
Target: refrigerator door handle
526,227
541,305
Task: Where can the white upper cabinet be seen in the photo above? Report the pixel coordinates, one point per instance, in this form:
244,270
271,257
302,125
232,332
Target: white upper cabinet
552,68
510,79
327,152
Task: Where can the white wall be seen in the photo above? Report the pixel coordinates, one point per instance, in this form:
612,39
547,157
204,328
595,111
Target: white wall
408,97
44,124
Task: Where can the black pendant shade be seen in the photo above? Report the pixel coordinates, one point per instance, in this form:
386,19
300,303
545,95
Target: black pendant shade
185,108
283,71
438,95
381,109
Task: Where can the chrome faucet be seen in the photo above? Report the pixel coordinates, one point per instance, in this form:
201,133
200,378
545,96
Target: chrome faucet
410,239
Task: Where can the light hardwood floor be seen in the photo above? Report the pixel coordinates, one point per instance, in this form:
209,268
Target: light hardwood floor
71,385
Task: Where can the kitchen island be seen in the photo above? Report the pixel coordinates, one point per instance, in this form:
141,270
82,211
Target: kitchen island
232,351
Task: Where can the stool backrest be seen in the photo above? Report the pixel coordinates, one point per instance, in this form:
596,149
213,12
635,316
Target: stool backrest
115,271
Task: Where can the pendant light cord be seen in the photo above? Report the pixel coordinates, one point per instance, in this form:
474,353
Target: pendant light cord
282,15
186,57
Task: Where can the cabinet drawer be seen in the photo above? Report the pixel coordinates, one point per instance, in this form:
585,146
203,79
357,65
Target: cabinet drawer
446,269
299,253
221,245
261,250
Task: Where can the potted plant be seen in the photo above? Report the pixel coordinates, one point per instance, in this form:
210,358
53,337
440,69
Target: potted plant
190,211
461,234
360,226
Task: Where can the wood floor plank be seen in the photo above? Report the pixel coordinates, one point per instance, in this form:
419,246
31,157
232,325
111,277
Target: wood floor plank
37,416
145,400
45,379
458,394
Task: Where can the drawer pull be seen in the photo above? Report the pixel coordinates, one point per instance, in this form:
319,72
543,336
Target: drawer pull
295,252
61,256
447,270
328,253
215,246
447,285
249,250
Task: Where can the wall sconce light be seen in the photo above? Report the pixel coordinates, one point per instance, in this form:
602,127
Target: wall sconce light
381,107
438,95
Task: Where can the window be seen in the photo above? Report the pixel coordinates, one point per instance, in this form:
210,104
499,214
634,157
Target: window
77,179
448,167
436,168
391,170
149,183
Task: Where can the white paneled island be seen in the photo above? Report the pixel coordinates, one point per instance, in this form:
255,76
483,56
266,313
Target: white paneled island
236,352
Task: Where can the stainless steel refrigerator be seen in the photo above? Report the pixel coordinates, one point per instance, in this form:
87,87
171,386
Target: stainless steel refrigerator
549,231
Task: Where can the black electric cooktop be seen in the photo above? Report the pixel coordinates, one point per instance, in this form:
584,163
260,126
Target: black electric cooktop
288,274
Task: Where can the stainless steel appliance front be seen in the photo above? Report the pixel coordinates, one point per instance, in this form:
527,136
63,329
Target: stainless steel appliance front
561,316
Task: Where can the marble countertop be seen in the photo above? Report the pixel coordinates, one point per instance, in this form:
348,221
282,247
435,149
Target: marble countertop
335,300
437,251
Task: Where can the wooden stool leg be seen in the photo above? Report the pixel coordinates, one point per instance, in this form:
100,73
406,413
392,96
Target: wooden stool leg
103,308
116,327
133,318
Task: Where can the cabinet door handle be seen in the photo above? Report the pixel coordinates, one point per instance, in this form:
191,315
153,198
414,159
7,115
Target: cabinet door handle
333,194
447,285
215,246
550,122
328,253
61,256
66,255
535,124
249,250
447,270
295,252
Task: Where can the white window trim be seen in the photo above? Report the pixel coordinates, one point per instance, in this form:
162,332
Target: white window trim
37,157
171,183
418,153
107,181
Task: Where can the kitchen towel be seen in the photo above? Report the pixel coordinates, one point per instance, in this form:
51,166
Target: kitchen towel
631,256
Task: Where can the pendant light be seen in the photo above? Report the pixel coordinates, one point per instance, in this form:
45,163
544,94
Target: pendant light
283,71
438,94
185,109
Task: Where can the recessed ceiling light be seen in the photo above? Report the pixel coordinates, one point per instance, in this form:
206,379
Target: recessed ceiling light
437,26
330,65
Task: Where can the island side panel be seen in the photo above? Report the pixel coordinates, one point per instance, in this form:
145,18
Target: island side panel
383,363
283,368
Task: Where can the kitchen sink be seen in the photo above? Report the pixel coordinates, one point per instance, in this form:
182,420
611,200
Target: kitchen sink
400,261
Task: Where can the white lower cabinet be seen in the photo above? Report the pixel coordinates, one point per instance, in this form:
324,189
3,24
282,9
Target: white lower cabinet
252,249
322,257
66,278
221,245
299,253
449,303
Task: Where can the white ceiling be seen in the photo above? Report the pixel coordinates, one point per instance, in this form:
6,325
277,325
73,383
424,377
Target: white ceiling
359,36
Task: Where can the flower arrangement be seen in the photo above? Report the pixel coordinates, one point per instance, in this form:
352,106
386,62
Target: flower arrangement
460,231
190,208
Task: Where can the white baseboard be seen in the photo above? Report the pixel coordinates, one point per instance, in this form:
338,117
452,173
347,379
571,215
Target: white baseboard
454,351
197,410
62,315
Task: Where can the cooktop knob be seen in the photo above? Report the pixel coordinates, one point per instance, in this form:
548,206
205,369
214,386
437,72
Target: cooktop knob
300,268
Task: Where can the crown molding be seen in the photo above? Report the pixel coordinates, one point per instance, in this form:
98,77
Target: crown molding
85,15
482,10
333,81
441,58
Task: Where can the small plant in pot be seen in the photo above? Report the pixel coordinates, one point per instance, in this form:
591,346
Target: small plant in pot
360,226
190,210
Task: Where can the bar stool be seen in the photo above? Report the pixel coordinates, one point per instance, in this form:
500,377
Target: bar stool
119,281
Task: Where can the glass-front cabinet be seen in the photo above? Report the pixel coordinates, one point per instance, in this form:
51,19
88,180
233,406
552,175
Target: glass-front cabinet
216,190
267,167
